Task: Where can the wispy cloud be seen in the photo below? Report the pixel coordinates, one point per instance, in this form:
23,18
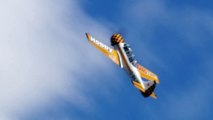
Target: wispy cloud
43,48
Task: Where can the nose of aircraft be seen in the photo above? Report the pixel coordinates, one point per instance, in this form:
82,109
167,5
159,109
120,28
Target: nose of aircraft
116,39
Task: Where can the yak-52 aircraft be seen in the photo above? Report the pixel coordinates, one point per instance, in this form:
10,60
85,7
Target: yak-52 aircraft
122,56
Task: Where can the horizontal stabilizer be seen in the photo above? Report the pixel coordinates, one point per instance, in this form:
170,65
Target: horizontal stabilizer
145,73
153,95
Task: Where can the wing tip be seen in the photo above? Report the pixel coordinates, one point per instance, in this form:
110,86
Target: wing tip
88,35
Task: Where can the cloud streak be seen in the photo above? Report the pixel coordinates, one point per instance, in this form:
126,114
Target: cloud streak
43,48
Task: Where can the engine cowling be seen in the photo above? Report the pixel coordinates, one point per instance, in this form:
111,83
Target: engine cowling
116,39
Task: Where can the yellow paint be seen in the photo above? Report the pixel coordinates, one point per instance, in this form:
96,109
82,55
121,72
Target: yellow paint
153,95
112,54
145,73
138,85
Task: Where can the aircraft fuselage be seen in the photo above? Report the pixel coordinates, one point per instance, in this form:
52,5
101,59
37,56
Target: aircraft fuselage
128,62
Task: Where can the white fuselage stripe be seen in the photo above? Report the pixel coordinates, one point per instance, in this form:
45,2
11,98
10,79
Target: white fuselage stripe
128,64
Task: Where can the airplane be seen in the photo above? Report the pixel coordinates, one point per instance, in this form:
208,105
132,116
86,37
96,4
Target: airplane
122,55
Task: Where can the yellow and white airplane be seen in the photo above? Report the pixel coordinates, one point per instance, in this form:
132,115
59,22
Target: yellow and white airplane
122,56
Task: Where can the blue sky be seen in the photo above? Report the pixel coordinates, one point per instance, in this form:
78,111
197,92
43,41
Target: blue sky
49,71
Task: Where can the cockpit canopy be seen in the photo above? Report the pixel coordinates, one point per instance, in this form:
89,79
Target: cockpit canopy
128,51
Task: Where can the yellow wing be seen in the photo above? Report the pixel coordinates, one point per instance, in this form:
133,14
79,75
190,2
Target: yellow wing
145,73
109,52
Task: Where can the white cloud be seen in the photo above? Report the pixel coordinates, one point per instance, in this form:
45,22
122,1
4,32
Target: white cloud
42,49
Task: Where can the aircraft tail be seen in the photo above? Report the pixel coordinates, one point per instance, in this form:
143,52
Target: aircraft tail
149,84
149,89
